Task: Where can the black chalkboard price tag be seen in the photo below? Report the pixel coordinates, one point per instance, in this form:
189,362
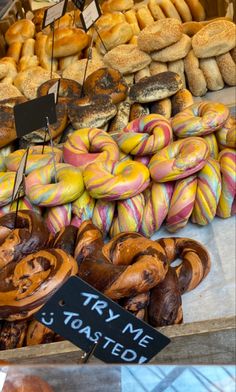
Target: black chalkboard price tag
53,13
55,90
79,4
85,317
90,15
31,115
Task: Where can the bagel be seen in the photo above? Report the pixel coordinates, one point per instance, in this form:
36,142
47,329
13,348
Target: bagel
211,73
183,10
68,88
174,52
76,70
196,9
227,68
20,31
195,77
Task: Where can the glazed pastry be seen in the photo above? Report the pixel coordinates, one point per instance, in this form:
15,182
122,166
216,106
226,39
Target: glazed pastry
179,160
129,215
227,203
27,286
145,135
65,239
58,217
195,264
200,119
23,204
42,191
38,334
165,307
88,145
157,202
137,304
208,193
115,181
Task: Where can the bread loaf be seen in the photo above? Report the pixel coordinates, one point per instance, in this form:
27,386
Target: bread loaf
174,52
127,58
196,80
211,73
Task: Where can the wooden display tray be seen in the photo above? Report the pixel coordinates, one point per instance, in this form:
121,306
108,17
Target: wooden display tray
205,342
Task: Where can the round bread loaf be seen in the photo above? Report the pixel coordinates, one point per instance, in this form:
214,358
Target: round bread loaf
127,58
114,36
214,39
174,52
67,41
20,31
159,35
156,87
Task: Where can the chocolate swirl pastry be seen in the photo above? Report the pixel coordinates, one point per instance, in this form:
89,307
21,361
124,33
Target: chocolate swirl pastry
65,239
38,333
196,262
138,265
13,334
165,307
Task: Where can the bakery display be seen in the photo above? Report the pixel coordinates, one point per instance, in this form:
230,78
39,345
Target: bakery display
133,152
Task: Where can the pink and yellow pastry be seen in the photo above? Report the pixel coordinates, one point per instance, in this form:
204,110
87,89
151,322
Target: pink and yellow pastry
7,180
145,135
157,202
129,215
182,202
226,136
212,144
42,188
88,145
179,160
38,156
227,203
2,163
103,215
115,180
207,193
83,208
200,119
58,217
24,204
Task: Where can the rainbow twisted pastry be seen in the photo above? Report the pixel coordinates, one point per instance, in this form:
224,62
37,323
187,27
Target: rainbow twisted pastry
24,204
43,191
2,163
6,185
82,208
145,135
88,145
58,217
179,160
212,144
208,193
157,202
129,215
35,159
227,202
103,214
226,136
200,119
182,202
115,180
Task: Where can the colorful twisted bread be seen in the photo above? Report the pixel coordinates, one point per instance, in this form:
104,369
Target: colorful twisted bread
88,145
157,202
227,202
212,144
83,207
43,191
39,156
32,281
226,136
6,185
18,239
196,262
103,215
200,119
129,215
58,217
23,204
145,135
115,181
114,280
179,160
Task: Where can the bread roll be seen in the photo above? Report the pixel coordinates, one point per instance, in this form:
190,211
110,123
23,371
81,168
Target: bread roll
129,79
134,40
156,67
162,107
168,9
14,51
211,73
191,28
64,62
181,100
159,35
20,31
67,42
183,10
130,17
114,36
214,39
144,17
227,68
117,5
233,54
156,11
9,91
143,73
76,70
138,110
174,52
28,47
155,87
127,59
10,65
196,9
196,80
178,67
110,19
44,58
27,62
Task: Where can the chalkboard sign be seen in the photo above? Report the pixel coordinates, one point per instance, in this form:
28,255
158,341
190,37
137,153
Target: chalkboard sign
90,15
79,4
31,115
84,316
53,13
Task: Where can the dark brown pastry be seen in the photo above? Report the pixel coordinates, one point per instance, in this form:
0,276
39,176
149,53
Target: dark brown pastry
66,239
7,125
38,334
13,334
68,89
137,304
165,307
